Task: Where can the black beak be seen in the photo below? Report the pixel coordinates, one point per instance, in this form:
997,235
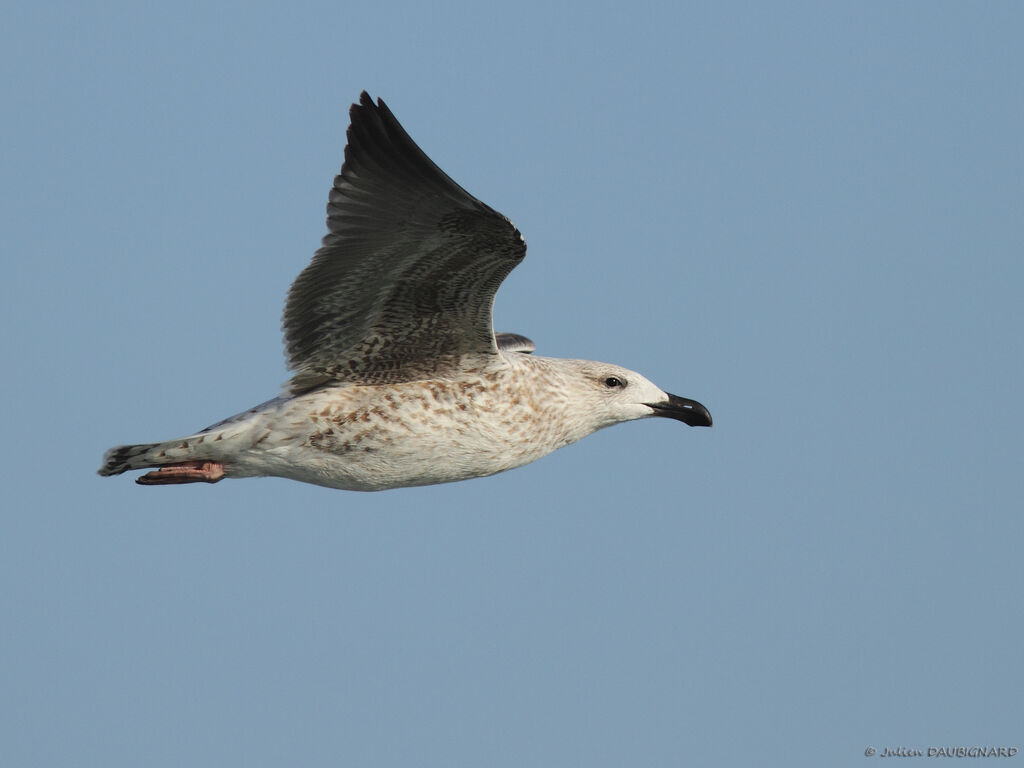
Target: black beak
683,409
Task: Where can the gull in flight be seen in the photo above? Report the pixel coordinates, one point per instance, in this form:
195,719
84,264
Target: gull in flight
399,378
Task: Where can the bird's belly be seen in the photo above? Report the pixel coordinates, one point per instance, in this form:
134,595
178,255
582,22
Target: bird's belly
379,467
361,456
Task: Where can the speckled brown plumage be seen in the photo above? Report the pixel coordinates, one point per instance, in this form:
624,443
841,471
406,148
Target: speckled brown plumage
399,378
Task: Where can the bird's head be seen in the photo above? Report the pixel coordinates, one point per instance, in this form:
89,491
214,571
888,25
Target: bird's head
615,394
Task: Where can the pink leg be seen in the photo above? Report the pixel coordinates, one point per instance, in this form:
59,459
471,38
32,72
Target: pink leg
186,472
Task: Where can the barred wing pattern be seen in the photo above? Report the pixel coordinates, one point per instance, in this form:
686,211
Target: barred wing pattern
403,285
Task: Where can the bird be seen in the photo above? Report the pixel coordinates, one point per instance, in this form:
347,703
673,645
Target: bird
399,378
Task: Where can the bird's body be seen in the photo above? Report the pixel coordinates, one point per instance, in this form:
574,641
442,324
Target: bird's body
400,380
377,436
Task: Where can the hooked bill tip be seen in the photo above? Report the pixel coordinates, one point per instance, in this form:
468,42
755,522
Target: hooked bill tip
683,409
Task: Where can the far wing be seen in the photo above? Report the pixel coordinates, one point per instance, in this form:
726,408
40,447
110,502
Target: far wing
513,342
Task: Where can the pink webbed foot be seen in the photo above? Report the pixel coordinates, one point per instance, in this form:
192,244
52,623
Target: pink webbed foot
186,472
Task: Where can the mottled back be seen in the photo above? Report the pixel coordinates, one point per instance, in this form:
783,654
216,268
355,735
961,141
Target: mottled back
403,285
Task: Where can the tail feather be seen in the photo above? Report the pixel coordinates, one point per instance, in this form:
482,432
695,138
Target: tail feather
203,446
124,458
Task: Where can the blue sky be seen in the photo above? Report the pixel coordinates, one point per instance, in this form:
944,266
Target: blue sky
805,215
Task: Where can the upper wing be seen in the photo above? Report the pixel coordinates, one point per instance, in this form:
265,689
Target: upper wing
403,285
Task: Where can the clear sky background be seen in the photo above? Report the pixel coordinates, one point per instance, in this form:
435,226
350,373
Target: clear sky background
808,216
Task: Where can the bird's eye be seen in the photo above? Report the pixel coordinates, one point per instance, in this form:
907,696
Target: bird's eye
611,382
